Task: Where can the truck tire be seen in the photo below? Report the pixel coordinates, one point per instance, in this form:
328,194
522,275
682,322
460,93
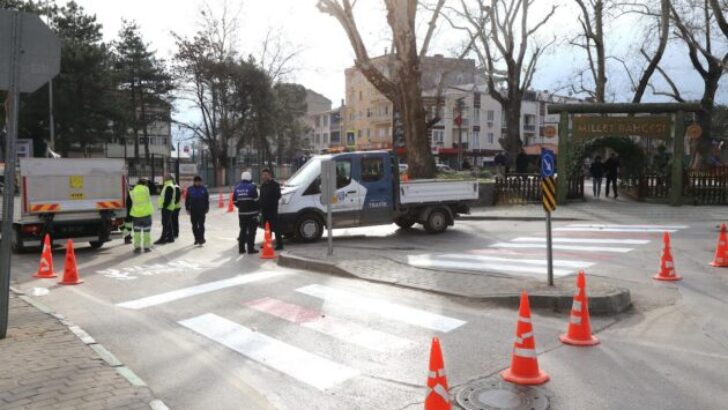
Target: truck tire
309,228
437,221
96,244
404,223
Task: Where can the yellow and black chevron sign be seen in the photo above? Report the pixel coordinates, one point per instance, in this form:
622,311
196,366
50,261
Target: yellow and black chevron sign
548,189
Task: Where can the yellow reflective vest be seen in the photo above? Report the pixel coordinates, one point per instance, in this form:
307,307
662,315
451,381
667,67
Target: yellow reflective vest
141,202
171,205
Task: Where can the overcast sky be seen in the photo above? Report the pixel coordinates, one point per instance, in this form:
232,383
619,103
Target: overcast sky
325,51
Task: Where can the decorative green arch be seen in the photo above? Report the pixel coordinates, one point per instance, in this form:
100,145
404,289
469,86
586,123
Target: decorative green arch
631,154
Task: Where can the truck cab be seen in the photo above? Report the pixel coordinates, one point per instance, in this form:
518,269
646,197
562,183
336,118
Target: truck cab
368,193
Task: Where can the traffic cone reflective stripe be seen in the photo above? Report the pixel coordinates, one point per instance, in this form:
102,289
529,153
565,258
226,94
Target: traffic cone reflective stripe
70,270
437,397
524,362
579,332
45,268
721,251
667,265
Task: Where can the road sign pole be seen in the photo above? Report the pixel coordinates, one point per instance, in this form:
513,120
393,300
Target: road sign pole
549,249
330,224
10,159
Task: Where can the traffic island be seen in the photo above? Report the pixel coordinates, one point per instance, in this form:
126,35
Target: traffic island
606,296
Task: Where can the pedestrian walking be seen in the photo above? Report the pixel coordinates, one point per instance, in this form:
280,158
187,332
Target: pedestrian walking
141,214
246,200
522,163
167,205
177,210
197,205
597,173
500,164
611,169
270,194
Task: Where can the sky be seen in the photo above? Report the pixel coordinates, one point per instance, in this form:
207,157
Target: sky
324,51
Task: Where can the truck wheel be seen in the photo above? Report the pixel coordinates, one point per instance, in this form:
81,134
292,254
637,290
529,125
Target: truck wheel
404,223
96,244
436,222
309,228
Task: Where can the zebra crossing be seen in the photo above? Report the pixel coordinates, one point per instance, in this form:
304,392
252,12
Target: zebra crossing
342,316
578,246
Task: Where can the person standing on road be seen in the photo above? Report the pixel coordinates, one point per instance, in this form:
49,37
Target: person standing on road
177,209
246,199
167,205
611,169
128,221
141,213
270,194
197,205
597,173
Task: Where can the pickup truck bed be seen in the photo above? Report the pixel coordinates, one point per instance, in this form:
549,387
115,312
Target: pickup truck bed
437,191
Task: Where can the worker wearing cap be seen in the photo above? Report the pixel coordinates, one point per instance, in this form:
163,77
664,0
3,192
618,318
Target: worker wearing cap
141,213
177,208
167,205
246,199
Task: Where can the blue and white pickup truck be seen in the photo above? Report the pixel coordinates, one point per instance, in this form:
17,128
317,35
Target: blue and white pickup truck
369,192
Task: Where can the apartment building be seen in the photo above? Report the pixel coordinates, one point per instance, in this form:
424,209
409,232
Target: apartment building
368,115
317,121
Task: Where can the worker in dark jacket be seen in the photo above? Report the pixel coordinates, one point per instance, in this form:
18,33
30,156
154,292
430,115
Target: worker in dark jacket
197,205
177,209
167,206
270,194
128,221
246,199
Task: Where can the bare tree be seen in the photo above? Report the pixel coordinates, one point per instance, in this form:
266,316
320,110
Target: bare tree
592,19
403,83
505,44
277,56
696,22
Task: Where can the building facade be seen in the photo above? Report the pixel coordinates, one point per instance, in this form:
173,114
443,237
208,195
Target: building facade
317,122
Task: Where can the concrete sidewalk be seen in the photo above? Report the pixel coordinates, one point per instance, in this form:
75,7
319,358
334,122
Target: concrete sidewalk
48,363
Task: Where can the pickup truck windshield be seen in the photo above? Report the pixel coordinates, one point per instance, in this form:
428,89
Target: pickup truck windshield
310,171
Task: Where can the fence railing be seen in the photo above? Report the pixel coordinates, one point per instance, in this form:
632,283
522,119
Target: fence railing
519,189
699,187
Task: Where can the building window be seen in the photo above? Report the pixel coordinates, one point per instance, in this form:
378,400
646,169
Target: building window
490,115
335,138
326,138
369,132
326,120
476,115
476,100
358,134
350,138
490,137
476,140
437,137
361,96
317,121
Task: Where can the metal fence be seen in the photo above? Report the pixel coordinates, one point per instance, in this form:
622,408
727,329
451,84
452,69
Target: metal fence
518,189
699,187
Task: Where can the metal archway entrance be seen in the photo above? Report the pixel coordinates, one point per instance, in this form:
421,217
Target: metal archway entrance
667,122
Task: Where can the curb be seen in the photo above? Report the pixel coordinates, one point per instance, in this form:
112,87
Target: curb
98,348
613,303
518,218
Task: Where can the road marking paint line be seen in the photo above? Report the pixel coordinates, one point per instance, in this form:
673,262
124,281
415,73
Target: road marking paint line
183,293
337,328
389,310
629,226
562,263
297,363
562,247
586,241
626,230
485,266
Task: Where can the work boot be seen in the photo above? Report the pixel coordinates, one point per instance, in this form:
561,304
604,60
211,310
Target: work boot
202,242
147,250
137,250
160,241
127,240
279,247
252,251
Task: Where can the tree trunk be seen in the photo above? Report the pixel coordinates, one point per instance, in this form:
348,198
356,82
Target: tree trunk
511,142
419,154
601,84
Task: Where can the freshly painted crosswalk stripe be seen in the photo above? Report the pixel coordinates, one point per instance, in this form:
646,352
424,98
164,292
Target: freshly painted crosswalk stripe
472,265
562,263
586,241
297,363
389,310
609,249
337,328
629,226
625,230
183,293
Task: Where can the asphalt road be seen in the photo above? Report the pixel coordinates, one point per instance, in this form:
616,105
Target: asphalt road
208,329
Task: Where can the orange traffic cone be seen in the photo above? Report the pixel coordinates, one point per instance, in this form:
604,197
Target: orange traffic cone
524,363
184,193
721,251
268,252
667,265
70,270
579,333
220,200
231,206
405,178
45,270
437,396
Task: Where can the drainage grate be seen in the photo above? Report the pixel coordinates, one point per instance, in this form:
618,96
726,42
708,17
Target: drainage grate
495,394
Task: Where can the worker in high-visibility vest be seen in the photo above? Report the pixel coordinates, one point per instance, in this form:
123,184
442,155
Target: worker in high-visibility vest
141,213
167,205
177,208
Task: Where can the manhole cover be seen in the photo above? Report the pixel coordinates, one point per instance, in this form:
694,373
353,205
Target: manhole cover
495,394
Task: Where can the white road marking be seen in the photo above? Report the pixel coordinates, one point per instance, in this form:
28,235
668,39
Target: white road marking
561,247
183,293
629,226
297,363
389,310
473,265
337,328
626,230
586,241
